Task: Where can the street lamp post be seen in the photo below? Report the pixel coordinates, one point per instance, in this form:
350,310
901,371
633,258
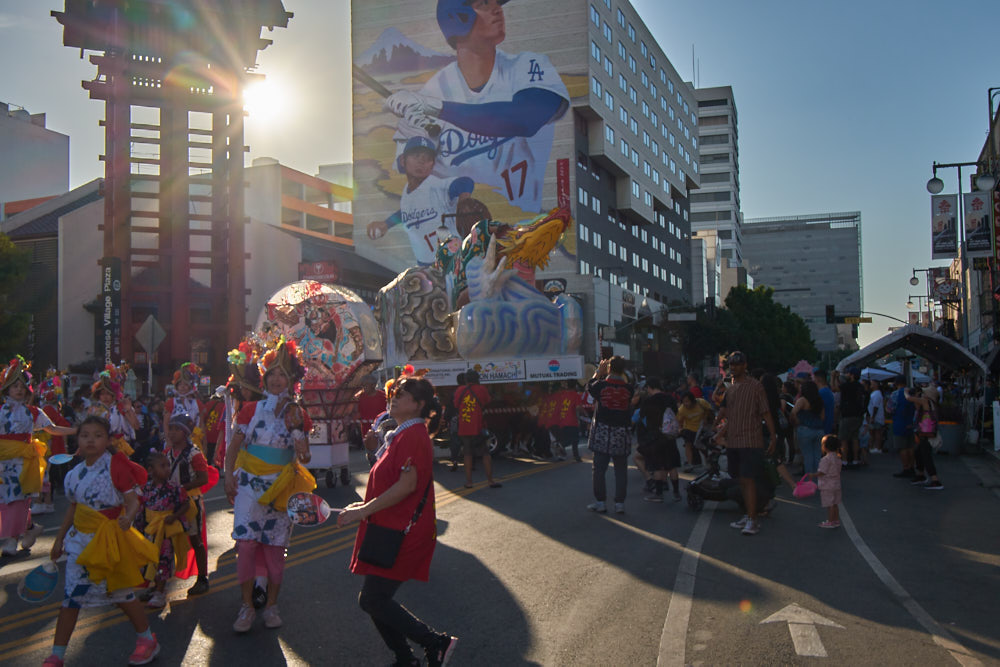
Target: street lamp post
921,298
934,186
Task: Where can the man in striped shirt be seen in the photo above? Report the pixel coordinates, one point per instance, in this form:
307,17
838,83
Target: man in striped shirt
744,408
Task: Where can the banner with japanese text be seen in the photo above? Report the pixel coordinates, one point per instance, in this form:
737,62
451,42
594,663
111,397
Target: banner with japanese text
944,228
978,224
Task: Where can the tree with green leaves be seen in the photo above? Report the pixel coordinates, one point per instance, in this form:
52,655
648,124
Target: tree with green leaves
14,322
770,334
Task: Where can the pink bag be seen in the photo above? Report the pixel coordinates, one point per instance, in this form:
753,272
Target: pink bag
804,488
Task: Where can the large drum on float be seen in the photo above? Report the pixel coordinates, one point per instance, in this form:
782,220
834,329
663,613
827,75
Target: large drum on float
340,343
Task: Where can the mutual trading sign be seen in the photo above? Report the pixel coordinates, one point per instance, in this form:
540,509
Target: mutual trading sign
554,368
111,309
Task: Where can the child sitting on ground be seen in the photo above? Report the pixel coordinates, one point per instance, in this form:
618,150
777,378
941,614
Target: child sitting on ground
828,480
102,491
165,505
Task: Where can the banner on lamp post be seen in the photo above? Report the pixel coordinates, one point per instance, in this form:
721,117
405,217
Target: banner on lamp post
996,231
978,224
944,228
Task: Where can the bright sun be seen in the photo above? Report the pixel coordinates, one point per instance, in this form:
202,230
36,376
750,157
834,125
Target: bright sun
264,101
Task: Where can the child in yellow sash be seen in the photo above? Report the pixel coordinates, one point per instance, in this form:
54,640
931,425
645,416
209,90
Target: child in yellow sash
105,554
165,506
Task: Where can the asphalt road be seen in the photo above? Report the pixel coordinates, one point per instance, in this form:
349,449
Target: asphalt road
526,575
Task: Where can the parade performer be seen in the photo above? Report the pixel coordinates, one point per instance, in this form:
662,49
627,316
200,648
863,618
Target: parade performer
190,471
263,468
400,497
105,554
185,401
243,386
50,392
110,403
22,456
164,507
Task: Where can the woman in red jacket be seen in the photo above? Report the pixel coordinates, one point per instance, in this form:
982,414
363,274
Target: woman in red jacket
400,496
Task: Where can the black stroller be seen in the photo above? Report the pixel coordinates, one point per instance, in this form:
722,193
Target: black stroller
716,484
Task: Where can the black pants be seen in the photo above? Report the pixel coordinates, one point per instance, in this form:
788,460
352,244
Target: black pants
601,461
925,456
392,620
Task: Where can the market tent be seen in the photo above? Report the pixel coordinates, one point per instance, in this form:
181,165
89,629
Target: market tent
877,374
921,341
897,369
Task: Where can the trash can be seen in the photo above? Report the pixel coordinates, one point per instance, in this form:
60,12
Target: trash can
951,437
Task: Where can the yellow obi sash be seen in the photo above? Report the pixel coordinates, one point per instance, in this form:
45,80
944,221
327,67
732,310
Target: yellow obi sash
292,478
33,454
121,445
158,529
113,554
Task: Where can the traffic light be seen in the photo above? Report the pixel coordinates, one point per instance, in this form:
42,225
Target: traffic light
831,317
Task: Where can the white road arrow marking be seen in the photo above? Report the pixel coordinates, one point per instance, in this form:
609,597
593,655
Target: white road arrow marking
802,627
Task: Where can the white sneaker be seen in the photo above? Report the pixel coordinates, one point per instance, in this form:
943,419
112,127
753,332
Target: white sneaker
598,506
244,620
42,508
30,535
741,523
619,508
9,547
271,617
157,600
752,528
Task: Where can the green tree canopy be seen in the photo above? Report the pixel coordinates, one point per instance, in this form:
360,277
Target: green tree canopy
771,335
14,264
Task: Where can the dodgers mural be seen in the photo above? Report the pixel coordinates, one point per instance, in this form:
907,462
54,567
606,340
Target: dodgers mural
451,106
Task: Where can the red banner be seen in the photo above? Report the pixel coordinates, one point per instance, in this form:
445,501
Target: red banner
322,272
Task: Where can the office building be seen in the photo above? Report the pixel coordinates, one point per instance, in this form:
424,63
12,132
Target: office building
621,152
35,161
810,261
715,208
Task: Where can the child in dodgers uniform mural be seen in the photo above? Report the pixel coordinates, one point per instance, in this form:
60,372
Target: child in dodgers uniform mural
496,110
424,199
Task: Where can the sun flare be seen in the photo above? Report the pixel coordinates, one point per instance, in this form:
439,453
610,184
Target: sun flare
264,101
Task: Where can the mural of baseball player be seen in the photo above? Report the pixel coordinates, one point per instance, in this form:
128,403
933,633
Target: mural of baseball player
495,111
424,199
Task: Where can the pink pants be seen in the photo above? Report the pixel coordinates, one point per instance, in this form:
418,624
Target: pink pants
252,557
15,518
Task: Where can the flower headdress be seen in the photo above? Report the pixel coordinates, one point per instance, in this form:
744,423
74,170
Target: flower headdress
403,373
17,369
111,378
51,389
243,366
188,372
286,355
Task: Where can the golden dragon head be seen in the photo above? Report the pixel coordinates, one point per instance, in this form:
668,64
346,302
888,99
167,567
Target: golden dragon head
531,243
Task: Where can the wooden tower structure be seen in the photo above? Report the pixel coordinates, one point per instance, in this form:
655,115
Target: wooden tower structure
171,74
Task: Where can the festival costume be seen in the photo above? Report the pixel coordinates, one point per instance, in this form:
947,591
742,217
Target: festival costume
160,501
22,464
183,467
103,562
122,432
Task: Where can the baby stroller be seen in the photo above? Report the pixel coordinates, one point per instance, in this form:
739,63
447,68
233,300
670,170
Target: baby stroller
713,483
716,484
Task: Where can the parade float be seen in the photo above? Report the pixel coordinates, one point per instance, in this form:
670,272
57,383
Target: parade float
340,343
478,307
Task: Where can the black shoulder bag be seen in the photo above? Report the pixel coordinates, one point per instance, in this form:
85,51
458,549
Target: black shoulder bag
381,545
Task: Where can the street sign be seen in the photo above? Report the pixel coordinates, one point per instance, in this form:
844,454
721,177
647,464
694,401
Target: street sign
150,335
608,332
682,317
857,320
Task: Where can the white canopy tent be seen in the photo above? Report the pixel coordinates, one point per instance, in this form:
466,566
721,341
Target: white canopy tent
921,341
877,374
896,367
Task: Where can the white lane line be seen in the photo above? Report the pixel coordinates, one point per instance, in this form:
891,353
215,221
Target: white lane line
673,641
941,636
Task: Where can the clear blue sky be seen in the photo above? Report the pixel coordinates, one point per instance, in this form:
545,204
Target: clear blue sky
842,105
